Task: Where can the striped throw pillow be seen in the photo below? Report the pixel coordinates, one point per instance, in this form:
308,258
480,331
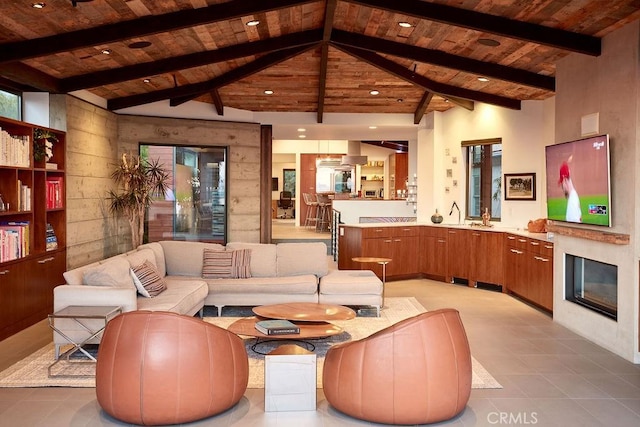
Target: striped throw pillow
148,280
226,264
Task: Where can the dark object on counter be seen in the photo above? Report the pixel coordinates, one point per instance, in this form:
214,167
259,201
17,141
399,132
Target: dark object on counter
436,218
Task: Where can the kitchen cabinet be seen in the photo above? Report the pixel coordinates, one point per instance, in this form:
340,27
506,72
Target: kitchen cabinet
398,175
433,251
458,253
528,269
486,258
521,265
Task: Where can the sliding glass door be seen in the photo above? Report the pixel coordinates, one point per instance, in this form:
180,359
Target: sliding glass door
194,208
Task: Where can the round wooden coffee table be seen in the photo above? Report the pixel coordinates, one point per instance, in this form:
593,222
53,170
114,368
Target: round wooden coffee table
305,312
311,318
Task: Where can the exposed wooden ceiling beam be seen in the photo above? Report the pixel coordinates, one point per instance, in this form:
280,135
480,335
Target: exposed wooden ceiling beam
445,90
176,63
196,89
217,101
431,56
25,75
152,24
561,39
422,107
329,14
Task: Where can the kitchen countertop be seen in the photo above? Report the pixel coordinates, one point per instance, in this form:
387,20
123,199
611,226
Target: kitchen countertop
494,228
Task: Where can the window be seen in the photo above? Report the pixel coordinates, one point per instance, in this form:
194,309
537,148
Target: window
289,180
10,105
484,177
194,208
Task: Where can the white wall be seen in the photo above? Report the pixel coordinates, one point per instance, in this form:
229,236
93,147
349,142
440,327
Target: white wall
524,135
609,85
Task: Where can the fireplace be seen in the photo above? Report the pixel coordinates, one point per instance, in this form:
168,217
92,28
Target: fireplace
592,284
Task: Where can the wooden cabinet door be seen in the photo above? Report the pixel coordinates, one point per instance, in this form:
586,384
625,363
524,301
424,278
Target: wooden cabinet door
541,275
487,257
458,253
381,247
516,271
405,256
433,251
12,297
307,181
45,273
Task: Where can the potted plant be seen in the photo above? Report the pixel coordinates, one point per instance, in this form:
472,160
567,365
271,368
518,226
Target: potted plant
43,144
138,181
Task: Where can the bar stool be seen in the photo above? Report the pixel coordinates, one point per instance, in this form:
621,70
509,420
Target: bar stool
323,219
312,209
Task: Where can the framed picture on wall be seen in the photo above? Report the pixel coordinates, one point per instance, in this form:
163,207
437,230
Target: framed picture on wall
274,183
289,181
520,186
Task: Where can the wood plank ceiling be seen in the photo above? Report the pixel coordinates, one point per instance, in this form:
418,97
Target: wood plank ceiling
316,56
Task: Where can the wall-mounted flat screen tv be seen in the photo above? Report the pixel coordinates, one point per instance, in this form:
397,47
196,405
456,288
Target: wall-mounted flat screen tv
579,181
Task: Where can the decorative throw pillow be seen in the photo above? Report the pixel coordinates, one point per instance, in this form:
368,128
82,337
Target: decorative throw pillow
147,280
114,273
226,264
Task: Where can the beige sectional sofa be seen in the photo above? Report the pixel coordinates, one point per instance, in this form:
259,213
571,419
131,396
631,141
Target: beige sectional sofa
284,272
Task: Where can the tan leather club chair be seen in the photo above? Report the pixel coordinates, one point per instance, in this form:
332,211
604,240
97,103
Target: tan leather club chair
417,371
164,368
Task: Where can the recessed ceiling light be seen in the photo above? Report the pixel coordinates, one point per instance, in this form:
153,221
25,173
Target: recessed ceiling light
373,127
252,23
400,100
374,92
147,80
405,24
301,129
38,5
106,51
268,92
489,42
139,45
302,136
483,79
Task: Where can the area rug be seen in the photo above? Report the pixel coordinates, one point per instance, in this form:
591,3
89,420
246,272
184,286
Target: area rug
32,371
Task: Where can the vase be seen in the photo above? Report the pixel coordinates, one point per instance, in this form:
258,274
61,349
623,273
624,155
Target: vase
436,218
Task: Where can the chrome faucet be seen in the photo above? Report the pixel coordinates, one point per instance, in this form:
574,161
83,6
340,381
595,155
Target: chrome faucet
455,205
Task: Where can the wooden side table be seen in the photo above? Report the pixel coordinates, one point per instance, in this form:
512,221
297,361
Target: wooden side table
378,260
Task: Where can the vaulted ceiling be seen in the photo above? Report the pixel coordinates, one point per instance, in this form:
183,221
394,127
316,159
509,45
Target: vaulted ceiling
316,56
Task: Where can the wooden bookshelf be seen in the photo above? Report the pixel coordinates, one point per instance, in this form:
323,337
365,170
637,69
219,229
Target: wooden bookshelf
28,275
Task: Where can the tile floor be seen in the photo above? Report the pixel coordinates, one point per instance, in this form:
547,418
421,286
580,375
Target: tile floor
551,376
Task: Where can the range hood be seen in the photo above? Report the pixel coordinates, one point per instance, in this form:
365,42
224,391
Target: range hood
353,156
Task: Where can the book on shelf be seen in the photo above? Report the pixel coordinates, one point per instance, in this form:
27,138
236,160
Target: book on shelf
55,194
14,240
277,327
51,239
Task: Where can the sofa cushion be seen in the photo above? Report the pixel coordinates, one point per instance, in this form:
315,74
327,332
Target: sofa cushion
136,258
147,280
76,276
263,257
291,285
302,258
181,296
184,258
158,252
226,264
114,272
